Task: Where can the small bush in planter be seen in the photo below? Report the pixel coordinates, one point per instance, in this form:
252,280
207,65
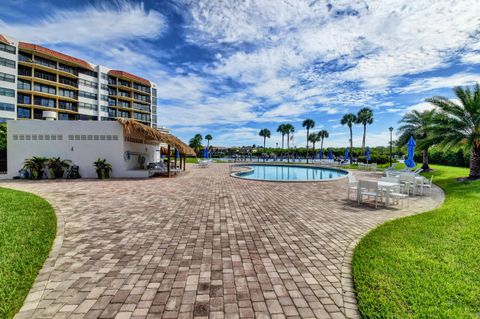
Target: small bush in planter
35,166
103,168
57,166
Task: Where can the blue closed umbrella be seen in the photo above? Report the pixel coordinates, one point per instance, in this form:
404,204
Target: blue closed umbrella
367,154
321,154
177,155
205,153
410,153
346,153
330,154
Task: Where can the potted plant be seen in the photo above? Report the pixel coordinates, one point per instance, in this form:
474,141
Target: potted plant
103,168
57,166
35,166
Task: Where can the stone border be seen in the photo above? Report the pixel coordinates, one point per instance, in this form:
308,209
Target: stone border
39,287
350,306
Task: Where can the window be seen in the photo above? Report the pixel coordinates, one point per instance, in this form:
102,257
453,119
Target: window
112,102
88,106
140,87
67,93
7,62
64,105
45,62
7,77
104,87
104,108
141,107
7,107
123,114
84,117
7,92
141,117
24,85
44,88
124,83
88,72
22,56
67,81
112,80
38,115
23,70
140,97
112,112
123,93
154,100
154,92
87,95
104,76
112,91
24,113
87,83
7,48
123,103
104,97
46,75
24,99
67,117
66,68
44,101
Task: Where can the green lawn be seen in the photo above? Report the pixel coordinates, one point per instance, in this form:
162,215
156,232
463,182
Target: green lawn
428,265
27,230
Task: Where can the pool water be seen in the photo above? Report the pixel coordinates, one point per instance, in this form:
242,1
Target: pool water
290,173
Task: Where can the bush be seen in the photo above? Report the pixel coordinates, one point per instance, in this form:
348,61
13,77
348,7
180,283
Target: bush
375,158
452,157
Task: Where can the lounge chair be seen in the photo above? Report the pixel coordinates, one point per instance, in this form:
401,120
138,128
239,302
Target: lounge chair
397,195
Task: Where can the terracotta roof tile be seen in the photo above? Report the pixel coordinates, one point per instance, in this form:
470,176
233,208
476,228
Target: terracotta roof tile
58,55
129,76
3,39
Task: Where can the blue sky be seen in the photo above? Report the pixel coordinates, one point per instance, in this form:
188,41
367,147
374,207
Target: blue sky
231,67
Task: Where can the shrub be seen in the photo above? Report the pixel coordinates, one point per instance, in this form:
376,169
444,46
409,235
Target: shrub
103,168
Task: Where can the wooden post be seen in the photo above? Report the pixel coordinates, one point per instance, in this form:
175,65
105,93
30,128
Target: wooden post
175,158
184,161
168,161
181,164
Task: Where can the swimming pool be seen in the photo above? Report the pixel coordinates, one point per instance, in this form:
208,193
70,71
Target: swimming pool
289,173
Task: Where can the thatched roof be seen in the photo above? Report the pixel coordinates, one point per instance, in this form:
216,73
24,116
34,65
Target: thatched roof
135,128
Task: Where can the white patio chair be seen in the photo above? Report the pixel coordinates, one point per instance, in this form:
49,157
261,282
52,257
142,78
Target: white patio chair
428,183
352,186
396,195
369,189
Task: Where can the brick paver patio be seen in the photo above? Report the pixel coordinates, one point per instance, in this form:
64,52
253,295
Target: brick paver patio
202,245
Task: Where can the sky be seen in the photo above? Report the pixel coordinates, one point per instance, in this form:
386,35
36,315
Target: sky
232,67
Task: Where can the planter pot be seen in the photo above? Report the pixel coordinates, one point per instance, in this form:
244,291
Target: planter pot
58,173
103,174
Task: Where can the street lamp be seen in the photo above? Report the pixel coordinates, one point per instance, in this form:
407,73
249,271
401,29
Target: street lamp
391,130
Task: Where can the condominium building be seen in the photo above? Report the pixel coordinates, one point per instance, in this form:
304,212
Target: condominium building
39,83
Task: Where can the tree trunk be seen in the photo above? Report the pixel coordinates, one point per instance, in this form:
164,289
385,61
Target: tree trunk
475,163
264,141
313,151
306,151
351,145
283,137
425,166
364,135
321,146
288,141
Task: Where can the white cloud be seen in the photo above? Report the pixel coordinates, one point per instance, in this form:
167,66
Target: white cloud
423,106
92,25
441,82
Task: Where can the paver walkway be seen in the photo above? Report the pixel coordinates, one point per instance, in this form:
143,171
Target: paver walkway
201,245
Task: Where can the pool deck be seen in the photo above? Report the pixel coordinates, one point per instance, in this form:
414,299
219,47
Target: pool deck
202,245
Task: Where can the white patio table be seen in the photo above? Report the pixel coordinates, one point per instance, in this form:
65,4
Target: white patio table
386,186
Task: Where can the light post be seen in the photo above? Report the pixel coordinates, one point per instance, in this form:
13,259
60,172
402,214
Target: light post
391,142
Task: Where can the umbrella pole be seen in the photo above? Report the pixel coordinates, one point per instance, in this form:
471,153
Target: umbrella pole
168,161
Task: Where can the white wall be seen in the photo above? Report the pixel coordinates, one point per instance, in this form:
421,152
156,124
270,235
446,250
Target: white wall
82,142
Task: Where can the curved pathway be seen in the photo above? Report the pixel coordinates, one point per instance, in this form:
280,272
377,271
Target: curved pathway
202,245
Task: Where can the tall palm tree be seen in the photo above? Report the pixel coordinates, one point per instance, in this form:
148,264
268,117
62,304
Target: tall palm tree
349,119
308,124
281,130
364,117
314,138
196,143
289,129
208,137
417,124
458,124
323,135
265,133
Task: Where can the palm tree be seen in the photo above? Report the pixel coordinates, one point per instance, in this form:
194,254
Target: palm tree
364,117
265,133
417,124
281,129
323,135
349,119
314,138
35,166
289,129
458,124
308,124
196,143
208,137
